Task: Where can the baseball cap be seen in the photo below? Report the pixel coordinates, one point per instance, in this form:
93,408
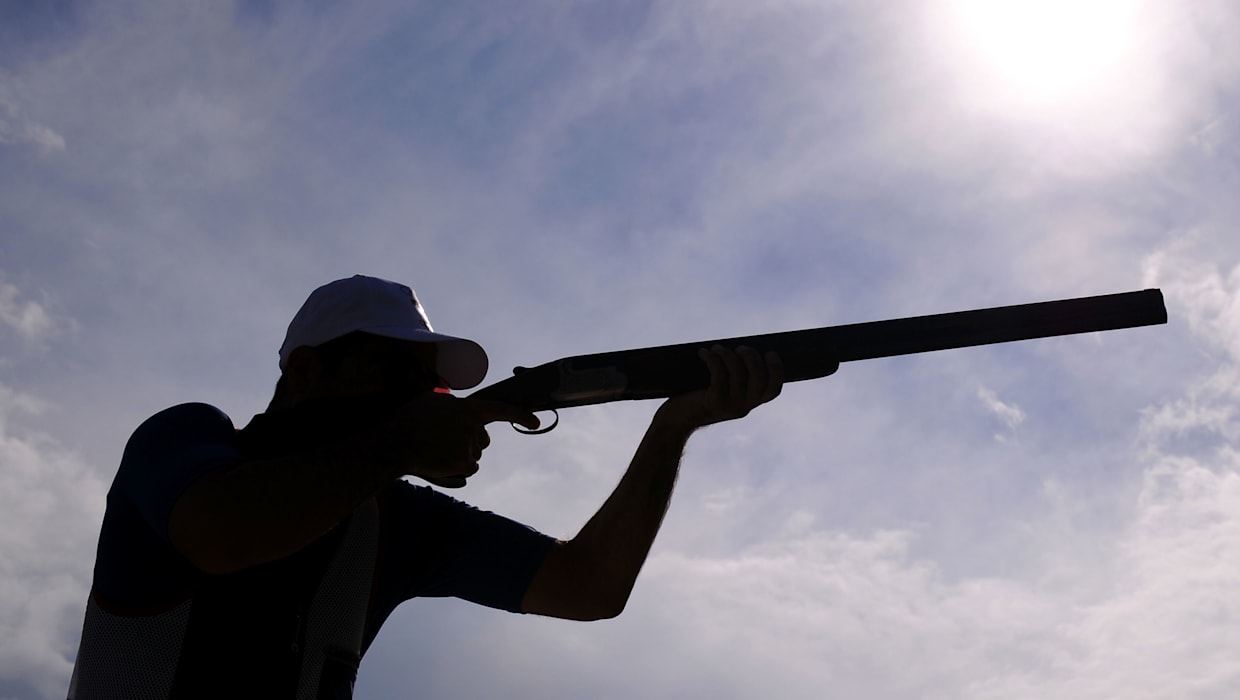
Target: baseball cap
383,308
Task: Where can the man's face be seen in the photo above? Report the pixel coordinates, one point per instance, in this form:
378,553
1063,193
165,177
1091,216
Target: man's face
372,365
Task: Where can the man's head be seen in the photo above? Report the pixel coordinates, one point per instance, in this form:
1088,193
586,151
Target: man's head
364,334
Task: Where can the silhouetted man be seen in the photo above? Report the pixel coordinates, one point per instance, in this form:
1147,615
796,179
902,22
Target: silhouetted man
262,562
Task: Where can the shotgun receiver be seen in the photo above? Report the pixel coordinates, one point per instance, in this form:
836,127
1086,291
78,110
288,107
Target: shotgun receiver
659,372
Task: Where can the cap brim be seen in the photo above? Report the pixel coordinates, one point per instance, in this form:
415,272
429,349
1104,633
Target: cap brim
461,363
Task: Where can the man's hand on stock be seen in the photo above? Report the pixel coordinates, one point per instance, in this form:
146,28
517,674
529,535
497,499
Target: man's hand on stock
440,438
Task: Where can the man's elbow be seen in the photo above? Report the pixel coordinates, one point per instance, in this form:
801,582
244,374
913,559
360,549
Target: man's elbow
580,598
605,598
586,611
606,608
574,585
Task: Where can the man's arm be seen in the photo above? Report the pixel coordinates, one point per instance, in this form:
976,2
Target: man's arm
260,511
591,576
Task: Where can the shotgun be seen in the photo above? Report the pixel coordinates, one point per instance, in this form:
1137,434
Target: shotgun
659,372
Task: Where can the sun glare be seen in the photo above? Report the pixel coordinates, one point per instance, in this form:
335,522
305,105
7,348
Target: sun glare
1048,50
1079,85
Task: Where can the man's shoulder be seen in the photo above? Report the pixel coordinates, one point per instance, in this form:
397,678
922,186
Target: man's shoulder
193,412
186,418
189,433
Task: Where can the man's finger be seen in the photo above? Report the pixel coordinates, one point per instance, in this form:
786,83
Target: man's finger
756,375
775,376
736,373
715,367
498,411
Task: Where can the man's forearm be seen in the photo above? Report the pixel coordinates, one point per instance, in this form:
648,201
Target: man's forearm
623,530
591,576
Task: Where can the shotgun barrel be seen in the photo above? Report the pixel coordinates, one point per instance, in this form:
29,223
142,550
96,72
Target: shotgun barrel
658,372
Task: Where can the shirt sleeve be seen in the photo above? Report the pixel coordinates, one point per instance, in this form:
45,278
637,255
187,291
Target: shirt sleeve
436,545
168,453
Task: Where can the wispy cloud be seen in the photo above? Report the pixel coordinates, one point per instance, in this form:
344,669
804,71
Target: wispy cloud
29,319
50,508
16,127
1209,293
1207,296
1010,415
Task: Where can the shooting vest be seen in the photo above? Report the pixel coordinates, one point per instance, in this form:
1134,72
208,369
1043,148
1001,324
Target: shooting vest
291,628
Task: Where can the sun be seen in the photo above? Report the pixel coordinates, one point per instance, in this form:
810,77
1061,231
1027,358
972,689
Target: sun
1047,51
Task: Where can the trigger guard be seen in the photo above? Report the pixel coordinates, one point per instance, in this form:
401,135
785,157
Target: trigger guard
539,431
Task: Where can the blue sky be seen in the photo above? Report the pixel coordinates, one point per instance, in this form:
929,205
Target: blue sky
1057,518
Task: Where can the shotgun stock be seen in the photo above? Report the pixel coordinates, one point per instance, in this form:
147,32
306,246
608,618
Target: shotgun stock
659,372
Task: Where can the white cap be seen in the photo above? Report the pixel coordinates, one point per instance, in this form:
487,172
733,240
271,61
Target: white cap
382,308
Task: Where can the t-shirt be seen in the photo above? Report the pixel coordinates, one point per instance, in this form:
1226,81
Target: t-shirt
157,627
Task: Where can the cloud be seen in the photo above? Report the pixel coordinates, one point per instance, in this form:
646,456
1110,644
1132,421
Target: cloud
50,508
29,319
1207,296
1210,295
1011,415
1151,615
847,615
16,127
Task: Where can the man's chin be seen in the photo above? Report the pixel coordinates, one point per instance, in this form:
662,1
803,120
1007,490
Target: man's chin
452,482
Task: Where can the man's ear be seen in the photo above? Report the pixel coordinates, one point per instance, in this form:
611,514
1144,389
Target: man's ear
304,370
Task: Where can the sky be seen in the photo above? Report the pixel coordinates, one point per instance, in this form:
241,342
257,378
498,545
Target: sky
1053,518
